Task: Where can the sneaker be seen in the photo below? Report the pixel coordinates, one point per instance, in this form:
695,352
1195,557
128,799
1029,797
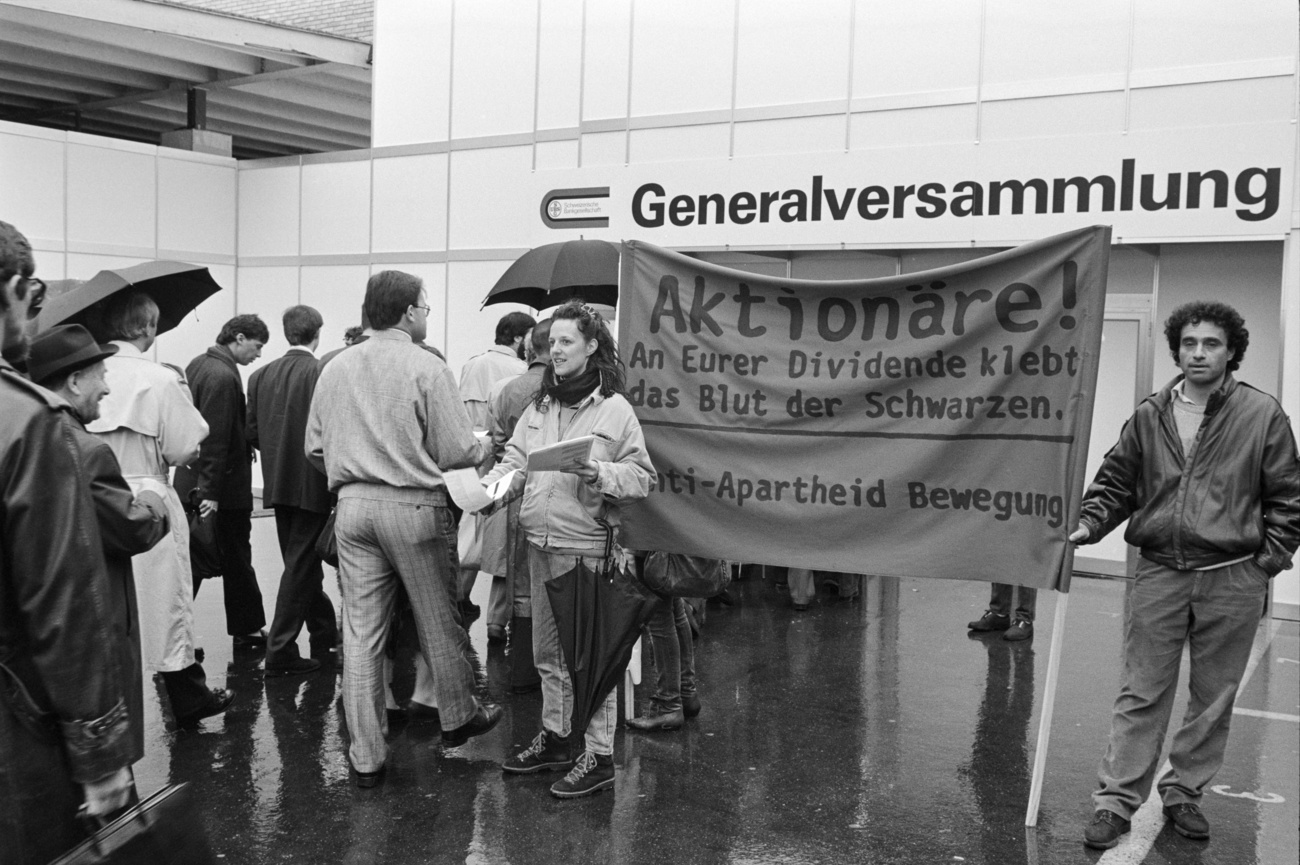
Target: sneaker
1021,629
990,621
591,773
1188,821
549,752
1104,830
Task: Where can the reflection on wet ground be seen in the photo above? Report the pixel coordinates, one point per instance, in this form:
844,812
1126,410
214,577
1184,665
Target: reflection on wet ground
864,731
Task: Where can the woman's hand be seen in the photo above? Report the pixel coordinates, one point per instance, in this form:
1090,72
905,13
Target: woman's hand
588,471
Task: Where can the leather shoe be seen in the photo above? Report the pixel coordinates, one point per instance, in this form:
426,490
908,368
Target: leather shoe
657,721
1188,821
250,641
484,719
690,705
366,780
218,701
1104,830
421,713
291,668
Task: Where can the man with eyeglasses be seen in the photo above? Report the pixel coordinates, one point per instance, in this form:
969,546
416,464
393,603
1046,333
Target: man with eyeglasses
64,730
386,421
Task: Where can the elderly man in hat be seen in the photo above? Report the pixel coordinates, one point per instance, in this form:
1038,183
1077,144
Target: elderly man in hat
150,422
67,360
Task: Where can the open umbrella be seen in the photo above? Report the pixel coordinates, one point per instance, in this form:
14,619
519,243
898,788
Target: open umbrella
598,614
175,286
552,274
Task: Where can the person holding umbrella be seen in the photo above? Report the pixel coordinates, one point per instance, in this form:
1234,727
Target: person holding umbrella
562,512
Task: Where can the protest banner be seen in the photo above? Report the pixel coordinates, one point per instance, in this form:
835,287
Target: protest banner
931,424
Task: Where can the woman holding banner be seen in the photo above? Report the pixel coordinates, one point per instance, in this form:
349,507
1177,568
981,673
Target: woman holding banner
581,395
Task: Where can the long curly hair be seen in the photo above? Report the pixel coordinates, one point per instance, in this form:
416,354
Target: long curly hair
1209,312
591,324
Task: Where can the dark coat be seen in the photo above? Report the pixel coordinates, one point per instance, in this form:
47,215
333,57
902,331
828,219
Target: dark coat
54,635
224,470
1238,495
127,527
279,398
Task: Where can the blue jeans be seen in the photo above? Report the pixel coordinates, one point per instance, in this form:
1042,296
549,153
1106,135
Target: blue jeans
1216,613
557,689
670,634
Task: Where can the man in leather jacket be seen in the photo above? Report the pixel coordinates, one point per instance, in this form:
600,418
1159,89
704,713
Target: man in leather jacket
1206,473
64,732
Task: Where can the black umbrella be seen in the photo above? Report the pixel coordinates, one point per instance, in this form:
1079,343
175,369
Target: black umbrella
598,613
549,275
175,286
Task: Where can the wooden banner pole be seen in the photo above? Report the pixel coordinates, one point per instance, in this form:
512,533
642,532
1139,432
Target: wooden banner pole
1049,706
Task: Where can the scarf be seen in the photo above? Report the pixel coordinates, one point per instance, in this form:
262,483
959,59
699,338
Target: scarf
572,390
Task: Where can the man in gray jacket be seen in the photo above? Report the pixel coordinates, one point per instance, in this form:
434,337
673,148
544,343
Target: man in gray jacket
1206,473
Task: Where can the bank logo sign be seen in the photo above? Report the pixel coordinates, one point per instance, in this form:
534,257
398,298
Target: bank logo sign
586,207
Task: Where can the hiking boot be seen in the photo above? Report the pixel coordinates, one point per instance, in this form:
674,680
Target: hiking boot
990,621
1188,821
1104,830
549,752
591,773
1021,629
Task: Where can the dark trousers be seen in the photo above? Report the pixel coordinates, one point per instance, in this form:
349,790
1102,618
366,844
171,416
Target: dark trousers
300,599
244,613
1026,600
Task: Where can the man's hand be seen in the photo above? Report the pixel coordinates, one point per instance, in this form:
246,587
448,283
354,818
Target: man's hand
1080,535
207,507
108,794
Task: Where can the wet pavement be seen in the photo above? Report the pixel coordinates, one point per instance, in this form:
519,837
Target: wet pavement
866,731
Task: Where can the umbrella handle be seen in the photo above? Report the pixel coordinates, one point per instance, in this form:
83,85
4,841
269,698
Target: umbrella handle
609,537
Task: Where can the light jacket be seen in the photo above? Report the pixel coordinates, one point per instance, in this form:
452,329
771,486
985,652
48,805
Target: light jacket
1237,495
559,509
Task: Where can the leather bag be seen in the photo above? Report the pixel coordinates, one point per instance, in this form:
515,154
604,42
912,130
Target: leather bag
205,553
163,829
674,575
327,546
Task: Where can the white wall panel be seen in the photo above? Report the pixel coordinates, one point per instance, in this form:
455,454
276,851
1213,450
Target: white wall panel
488,199
1076,114
913,47
265,292
1195,32
84,265
1037,41
336,292
682,56
198,330
31,186
789,53
111,196
196,206
471,330
675,143
605,58
434,275
410,203
560,64
412,71
910,126
556,154
604,148
793,135
494,63
1213,104
335,218
268,211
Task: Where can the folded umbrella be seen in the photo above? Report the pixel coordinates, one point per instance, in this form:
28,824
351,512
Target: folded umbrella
557,272
599,612
177,288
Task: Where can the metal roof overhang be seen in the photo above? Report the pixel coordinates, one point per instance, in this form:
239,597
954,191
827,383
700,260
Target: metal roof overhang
122,68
